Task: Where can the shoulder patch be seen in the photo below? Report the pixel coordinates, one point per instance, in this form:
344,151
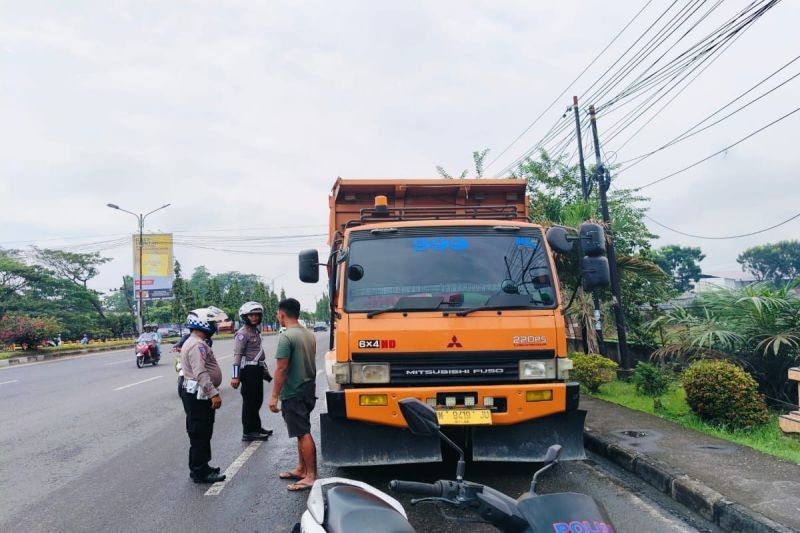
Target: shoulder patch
239,337
202,348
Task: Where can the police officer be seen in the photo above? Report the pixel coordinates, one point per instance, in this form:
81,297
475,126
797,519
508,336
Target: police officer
200,394
250,370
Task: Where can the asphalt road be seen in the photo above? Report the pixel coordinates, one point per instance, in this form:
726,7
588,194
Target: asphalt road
94,444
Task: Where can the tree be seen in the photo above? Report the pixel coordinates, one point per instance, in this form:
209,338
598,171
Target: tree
182,296
323,311
198,282
555,195
478,157
213,294
681,263
777,262
283,294
233,299
76,268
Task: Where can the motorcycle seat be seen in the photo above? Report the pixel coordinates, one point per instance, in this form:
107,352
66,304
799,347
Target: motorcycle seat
353,509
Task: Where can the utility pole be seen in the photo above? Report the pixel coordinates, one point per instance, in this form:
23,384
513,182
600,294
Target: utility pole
598,325
140,219
603,183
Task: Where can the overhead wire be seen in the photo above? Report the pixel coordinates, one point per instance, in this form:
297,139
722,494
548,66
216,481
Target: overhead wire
739,236
692,131
743,139
557,98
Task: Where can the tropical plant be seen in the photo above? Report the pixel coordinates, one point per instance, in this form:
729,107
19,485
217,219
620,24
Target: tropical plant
26,331
757,326
652,380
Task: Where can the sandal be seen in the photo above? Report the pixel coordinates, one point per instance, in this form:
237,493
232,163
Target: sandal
298,487
289,475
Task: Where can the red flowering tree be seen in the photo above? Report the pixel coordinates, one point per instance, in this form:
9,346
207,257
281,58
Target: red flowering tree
26,331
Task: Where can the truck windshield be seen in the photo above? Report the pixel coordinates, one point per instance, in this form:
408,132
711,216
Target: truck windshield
466,269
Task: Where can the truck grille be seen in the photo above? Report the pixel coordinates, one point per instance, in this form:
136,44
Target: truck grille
459,368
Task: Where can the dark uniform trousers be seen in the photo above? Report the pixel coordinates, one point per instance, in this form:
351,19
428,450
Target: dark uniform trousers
252,381
200,427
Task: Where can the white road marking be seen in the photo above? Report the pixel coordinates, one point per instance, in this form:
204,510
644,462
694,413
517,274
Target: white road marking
12,381
226,357
217,487
117,362
139,382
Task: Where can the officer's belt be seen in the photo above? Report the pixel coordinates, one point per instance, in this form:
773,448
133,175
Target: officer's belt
246,362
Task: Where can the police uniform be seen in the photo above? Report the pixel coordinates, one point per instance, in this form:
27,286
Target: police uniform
249,366
202,376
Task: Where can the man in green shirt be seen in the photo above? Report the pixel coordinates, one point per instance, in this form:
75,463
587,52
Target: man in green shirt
295,375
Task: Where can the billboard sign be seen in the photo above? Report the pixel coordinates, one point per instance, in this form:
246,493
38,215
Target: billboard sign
157,266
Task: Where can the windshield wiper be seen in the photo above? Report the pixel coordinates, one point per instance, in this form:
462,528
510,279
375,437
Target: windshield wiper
502,300
411,303
493,308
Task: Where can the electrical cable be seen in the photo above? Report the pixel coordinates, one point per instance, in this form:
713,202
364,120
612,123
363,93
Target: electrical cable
690,133
679,232
592,62
648,184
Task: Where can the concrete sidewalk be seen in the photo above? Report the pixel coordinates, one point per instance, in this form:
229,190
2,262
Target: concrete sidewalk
733,486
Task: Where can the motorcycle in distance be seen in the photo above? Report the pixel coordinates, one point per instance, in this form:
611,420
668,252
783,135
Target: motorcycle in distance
339,505
147,352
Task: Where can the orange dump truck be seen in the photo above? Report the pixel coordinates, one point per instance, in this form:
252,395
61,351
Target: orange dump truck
443,291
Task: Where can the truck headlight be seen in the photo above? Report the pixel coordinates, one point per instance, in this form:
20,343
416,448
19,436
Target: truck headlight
341,372
369,372
537,369
564,366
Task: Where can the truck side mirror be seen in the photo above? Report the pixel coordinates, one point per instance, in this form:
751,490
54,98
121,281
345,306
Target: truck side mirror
595,272
309,266
557,239
593,239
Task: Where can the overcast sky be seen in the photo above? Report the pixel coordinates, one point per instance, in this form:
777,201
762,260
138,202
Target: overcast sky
241,114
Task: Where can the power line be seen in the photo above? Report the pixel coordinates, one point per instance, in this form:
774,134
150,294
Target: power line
592,62
795,110
727,236
689,133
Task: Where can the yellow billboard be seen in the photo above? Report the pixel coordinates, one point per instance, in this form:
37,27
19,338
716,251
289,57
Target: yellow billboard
156,264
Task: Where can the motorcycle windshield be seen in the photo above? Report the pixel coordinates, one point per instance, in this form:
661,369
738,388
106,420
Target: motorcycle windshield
566,512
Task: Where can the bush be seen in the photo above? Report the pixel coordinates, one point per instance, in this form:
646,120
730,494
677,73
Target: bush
26,331
721,392
592,370
651,380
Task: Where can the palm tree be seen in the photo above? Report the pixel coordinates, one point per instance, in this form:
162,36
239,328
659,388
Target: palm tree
757,326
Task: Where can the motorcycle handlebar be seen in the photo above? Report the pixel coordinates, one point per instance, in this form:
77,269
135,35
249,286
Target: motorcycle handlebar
413,487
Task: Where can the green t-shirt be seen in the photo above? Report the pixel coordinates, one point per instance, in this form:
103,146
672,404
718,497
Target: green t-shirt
299,346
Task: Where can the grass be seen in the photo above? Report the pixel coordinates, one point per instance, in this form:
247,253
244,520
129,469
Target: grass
768,438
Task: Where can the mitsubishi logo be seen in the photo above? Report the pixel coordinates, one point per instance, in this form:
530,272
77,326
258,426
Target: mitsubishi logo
454,343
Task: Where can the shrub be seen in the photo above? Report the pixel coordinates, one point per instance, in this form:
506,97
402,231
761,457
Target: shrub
719,391
592,370
27,331
652,380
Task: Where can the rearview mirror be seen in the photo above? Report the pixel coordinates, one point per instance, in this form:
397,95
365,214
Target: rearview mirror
552,453
309,266
595,272
557,239
420,417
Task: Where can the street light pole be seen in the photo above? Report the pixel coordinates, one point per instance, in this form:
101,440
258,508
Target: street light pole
272,281
140,219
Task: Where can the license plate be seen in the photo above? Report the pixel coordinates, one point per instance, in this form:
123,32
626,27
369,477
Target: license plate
464,417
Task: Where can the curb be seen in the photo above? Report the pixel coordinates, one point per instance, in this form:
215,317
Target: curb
710,504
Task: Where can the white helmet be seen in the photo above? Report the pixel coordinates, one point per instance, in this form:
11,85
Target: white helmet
205,319
248,308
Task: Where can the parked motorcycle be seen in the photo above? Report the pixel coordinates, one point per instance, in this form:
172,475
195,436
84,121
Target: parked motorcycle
147,353
338,505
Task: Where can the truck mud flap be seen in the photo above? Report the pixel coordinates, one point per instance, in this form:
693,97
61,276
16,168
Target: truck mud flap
528,441
352,443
